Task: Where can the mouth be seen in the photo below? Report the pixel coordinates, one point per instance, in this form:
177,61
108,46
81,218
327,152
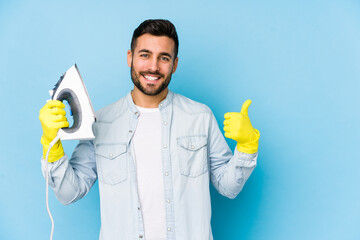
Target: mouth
151,77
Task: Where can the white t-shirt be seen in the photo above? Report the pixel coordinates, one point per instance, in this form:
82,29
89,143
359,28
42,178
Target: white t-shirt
147,149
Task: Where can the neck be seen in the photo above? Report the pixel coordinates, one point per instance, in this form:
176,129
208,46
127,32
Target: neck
142,100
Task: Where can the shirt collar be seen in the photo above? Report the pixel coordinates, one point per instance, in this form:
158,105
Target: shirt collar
163,104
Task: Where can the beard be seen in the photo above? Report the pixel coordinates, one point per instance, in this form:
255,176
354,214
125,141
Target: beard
149,89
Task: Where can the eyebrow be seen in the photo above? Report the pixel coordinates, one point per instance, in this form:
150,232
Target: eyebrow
162,53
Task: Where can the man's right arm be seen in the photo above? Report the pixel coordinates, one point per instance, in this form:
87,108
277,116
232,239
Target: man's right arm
72,179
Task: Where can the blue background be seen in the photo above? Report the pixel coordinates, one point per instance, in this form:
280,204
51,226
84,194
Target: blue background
297,60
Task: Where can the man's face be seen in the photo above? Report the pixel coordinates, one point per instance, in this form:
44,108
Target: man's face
152,63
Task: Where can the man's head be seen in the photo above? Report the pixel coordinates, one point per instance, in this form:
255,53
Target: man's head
153,56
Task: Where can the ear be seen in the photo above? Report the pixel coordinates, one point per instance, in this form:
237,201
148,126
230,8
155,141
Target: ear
175,64
129,58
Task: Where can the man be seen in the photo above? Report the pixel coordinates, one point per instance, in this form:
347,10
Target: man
154,151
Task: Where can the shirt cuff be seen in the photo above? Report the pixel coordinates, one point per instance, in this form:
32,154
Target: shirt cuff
245,159
52,166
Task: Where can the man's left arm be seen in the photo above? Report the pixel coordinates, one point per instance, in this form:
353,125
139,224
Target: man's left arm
230,172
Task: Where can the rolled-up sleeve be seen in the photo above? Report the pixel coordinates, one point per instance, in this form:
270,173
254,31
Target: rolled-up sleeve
72,179
229,172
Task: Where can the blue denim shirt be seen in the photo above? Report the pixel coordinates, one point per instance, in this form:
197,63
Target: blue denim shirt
194,152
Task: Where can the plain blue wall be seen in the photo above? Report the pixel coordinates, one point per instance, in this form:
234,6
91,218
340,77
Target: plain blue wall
299,61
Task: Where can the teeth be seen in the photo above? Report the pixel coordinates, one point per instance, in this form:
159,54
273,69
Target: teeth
151,78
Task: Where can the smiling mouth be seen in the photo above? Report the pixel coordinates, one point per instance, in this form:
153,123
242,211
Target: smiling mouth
150,77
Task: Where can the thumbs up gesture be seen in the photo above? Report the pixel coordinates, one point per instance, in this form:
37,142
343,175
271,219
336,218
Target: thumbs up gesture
237,126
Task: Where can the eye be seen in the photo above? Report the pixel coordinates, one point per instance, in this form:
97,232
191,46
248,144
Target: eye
165,59
145,55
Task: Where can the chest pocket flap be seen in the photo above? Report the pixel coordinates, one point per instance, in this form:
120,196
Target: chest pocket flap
192,143
110,151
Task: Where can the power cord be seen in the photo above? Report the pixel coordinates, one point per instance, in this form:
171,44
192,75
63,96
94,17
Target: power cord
47,185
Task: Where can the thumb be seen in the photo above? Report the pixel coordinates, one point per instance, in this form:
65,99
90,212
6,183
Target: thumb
245,106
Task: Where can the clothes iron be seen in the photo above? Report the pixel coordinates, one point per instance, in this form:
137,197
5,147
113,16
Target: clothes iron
71,88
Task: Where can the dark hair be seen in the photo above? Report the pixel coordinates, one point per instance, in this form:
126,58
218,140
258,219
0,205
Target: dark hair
156,27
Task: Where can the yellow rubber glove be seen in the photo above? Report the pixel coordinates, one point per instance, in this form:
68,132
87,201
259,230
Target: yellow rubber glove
237,126
52,118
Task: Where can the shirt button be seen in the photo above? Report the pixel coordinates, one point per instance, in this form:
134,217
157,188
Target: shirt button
110,155
165,146
166,174
169,229
141,236
130,131
136,113
167,200
161,104
138,208
165,123
192,147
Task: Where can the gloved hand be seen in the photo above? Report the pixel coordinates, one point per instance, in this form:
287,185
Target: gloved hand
237,126
52,118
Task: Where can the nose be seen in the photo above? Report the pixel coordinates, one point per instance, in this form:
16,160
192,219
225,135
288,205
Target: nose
153,64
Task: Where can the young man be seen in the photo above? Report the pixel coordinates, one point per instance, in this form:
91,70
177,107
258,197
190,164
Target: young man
154,151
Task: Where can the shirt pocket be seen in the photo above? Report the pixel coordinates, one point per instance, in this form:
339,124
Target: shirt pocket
111,163
192,155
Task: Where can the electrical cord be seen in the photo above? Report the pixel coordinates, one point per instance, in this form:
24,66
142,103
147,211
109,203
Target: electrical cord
47,185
